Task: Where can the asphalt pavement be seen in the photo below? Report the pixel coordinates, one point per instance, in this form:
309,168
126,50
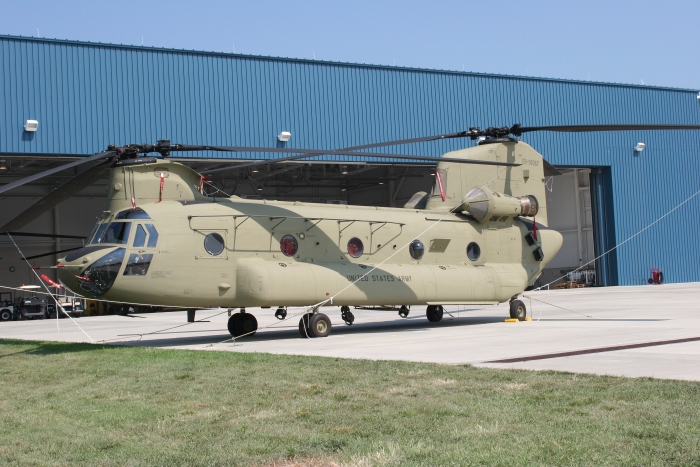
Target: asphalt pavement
641,331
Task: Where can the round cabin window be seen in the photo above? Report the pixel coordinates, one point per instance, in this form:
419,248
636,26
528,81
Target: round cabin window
417,249
289,245
355,247
473,251
214,244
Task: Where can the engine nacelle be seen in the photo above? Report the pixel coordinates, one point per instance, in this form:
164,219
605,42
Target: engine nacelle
486,205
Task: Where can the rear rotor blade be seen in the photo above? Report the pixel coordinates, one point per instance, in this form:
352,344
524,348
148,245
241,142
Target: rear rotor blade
518,130
62,193
306,152
31,178
392,156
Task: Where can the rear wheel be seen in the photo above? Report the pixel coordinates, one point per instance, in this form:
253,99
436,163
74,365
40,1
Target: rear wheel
434,313
518,310
304,325
320,325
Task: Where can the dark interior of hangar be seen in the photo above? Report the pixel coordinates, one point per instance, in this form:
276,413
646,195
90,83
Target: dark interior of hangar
570,209
351,183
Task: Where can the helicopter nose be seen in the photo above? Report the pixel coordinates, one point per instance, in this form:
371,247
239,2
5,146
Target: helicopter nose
84,274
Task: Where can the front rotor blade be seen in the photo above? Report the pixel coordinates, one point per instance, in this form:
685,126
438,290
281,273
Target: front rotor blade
31,178
53,253
517,131
42,235
63,192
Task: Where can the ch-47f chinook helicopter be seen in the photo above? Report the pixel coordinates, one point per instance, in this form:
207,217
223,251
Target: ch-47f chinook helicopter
473,240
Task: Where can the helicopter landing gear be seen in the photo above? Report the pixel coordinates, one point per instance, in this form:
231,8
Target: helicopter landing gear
403,311
434,313
314,325
347,315
240,324
518,310
281,313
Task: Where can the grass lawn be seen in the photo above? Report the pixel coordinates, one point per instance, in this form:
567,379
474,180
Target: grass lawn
79,404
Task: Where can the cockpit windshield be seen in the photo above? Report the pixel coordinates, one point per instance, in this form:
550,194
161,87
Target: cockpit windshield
114,232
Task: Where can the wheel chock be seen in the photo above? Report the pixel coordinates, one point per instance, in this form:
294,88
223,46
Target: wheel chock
512,320
528,319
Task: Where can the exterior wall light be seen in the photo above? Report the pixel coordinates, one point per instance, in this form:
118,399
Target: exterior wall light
3,165
639,147
31,125
284,136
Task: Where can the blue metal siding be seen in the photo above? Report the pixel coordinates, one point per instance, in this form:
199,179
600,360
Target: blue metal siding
86,96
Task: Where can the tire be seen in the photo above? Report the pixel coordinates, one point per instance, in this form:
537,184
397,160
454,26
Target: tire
233,319
320,325
434,313
5,315
304,326
518,310
240,324
248,325
403,311
348,318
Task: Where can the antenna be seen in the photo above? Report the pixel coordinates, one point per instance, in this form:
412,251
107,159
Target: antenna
37,33
234,48
314,55
141,41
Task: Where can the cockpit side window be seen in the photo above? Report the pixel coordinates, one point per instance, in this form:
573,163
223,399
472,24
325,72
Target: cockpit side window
100,233
92,234
140,236
152,235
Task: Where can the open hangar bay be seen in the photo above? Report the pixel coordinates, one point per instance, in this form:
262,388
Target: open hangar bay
85,96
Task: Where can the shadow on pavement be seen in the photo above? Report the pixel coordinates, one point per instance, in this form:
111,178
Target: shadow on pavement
289,330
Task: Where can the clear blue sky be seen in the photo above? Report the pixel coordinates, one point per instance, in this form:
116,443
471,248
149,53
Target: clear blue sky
615,41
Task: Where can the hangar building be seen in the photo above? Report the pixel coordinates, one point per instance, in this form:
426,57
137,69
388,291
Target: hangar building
85,96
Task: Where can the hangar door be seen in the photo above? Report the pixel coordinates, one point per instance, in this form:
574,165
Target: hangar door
579,206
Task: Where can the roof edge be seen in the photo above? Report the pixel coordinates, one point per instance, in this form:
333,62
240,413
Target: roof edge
343,64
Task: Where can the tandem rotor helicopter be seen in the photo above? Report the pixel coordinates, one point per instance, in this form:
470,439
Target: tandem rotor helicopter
480,237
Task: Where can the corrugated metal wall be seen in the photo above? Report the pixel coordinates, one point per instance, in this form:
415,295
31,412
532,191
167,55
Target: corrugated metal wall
86,96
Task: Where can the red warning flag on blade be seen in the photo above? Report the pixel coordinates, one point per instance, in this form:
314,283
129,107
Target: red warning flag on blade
48,280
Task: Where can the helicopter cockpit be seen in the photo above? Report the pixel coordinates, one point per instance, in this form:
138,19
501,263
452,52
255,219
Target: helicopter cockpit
115,231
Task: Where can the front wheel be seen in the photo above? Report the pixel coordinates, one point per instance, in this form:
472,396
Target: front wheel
518,310
5,315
